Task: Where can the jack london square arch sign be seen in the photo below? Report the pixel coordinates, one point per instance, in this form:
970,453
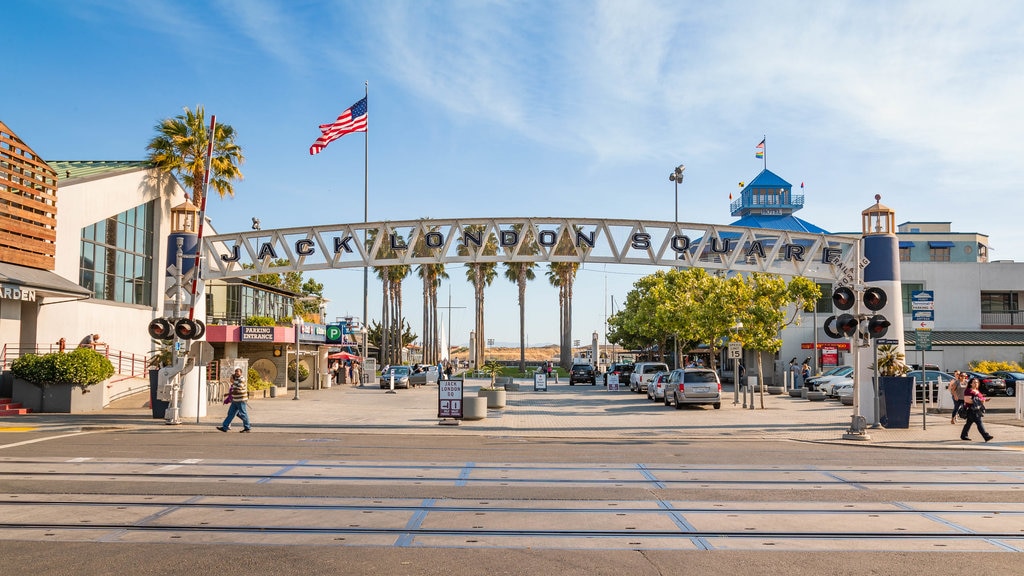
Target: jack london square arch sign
580,240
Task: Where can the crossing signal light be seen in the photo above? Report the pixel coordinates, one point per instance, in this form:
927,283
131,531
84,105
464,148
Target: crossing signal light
845,325
877,326
160,329
189,329
843,298
875,299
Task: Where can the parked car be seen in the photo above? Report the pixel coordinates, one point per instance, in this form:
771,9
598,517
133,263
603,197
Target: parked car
426,375
693,386
623,369
643,372
1011,379
941,378
656,387
582,373
401,374
989,384
815,382
833,388
829,386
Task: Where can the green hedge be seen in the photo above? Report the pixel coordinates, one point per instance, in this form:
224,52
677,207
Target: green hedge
81,367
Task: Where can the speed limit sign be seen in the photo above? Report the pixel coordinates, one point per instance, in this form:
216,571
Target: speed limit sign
735,351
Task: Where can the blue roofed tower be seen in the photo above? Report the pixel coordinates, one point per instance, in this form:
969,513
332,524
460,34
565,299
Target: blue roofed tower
769,202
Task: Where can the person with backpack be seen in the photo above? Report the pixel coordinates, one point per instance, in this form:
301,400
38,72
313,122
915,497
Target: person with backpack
974,404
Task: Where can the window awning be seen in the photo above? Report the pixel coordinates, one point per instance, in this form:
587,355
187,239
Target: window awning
40,282
906,244
940,244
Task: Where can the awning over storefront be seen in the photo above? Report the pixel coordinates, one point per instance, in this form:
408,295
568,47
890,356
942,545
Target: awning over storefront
906,244
24,283
940,244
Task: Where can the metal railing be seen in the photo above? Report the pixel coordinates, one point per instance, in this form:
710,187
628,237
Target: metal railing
1006,318
125,363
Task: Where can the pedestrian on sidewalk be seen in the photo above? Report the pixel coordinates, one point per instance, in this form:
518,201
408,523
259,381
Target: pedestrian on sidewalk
957,387
239,395
975,403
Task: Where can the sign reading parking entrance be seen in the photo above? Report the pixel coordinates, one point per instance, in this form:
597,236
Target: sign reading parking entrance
449,399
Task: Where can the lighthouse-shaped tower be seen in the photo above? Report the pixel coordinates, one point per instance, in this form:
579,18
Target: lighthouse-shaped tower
880,246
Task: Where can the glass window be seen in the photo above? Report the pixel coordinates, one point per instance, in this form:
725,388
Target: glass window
908,290
825,303
904,254
999,302
938,254
117,257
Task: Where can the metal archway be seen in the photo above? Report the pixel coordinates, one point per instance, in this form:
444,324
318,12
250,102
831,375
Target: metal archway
581,240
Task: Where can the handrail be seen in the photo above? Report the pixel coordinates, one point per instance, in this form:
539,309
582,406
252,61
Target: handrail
125,363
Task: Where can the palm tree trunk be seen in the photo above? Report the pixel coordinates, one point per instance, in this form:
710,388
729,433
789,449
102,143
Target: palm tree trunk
521,281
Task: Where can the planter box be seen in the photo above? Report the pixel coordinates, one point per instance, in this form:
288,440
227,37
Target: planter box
60,398
495,398
796,392
474,408
776,390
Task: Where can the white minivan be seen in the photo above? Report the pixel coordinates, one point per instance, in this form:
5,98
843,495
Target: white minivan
643,372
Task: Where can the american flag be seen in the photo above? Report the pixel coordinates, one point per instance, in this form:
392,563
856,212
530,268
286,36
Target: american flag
351,120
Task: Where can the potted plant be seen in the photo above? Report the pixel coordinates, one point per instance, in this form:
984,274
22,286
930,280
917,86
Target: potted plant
495,394
256,385
895,389
45,383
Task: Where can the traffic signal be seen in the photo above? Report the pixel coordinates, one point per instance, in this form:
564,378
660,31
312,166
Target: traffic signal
877,326
843,298
189,329
160,329
844,325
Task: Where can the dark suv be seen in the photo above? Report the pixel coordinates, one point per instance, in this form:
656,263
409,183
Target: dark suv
582,373
623,369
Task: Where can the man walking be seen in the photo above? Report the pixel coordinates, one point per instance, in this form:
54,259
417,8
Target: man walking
239,395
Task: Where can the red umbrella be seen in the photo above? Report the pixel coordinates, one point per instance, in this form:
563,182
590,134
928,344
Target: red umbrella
343,356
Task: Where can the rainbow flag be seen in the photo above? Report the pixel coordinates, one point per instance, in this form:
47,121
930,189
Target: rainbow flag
759,153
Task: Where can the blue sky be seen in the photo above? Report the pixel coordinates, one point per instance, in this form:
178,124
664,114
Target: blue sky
522,108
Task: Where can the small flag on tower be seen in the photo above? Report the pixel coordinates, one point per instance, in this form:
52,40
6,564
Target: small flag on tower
351,120
760,150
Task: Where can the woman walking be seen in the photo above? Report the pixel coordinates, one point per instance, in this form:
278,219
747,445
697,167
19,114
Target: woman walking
974,401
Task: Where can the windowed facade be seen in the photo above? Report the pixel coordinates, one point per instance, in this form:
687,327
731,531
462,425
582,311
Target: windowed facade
999,302
824,304
116,257
905,254
938,254
232,303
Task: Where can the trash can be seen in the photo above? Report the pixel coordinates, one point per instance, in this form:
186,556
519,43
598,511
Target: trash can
159,406
895,393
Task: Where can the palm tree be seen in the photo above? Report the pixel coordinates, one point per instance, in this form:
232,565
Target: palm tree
179,148
480,274
431,274
519,273
563,275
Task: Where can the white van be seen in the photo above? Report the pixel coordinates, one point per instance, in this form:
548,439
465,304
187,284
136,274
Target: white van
643,373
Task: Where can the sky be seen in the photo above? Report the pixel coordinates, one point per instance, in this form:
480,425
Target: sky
528,108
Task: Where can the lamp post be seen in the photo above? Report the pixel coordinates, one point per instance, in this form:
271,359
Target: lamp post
297,323
676,176
365,334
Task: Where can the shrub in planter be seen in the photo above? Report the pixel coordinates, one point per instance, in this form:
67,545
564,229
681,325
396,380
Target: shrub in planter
255,382
80,368
303,372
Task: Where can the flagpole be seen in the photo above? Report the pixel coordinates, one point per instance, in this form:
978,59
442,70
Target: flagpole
366,219
764,138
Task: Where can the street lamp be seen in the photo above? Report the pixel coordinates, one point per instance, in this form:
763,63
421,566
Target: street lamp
297,323
365,334
677,177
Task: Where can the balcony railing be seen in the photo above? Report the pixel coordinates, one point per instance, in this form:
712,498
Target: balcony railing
1008,318
125,363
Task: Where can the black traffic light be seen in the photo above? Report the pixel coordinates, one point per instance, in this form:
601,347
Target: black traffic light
847,324
843,298
874,299
189,329
160,329
877,326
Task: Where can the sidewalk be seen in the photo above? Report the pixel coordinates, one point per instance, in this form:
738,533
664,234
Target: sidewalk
562,411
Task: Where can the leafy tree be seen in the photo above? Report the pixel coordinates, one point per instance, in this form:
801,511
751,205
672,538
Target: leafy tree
702,307
480,275
519,273
179,148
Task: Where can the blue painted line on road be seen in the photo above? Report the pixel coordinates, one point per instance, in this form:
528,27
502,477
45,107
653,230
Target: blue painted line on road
282,471
683,524
845,481
414,524
464,474
650,476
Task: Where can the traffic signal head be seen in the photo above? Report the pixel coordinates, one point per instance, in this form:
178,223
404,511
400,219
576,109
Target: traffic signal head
877,326
189,329
875,299
841,326
843,298
160,329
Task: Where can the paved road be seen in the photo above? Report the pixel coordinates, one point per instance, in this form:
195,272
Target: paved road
576,480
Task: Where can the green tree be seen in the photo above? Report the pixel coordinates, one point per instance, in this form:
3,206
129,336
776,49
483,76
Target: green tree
519,273
179,148
701,307
480,275
431,275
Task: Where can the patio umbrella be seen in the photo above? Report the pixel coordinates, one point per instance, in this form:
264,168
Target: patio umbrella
343,356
